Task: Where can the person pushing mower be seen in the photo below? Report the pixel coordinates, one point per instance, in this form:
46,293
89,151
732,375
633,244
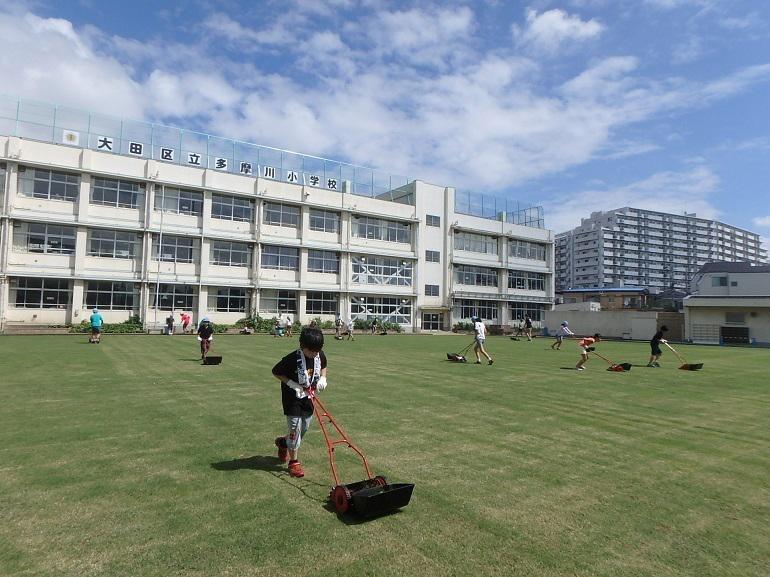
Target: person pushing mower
96,327
655,351
302,374
481,335
586,345
564,331
205,336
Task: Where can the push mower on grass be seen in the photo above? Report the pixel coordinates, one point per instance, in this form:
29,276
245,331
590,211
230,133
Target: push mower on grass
460,357
685,365
367,498
616,367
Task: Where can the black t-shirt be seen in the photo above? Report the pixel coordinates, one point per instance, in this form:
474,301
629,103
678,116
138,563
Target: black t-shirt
287,367
528,322
656,338
205,330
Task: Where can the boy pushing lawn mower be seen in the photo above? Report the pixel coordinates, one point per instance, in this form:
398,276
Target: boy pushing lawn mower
586,346
563,331
655,351
481,335
302,373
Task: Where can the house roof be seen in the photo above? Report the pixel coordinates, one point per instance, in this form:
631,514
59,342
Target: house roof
724,266
628,289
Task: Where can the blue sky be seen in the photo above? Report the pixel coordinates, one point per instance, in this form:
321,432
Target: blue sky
578,105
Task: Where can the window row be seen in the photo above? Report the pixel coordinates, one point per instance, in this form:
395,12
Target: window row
489,310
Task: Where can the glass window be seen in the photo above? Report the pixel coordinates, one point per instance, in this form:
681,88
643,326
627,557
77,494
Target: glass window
432,256
281,214
232,208
179,201
280,257
277,301
431,220
41,293
382,271
175,248
385,309
120,193
173,297
525,280
524,249
718,281
112,296
431,290
50,184
326,261
486,310
519,310
475,276
322,303
45,238
324,220
113,243
381,229
2,180
225,253
475,243
432,322
229,299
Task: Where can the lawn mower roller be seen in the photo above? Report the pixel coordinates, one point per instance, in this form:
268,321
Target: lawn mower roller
616,367
685,365
460,357
367,498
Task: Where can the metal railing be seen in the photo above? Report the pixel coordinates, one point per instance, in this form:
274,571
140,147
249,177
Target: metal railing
70,126
497,208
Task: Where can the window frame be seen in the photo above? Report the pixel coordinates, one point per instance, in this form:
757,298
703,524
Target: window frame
284,257
121,188
281,214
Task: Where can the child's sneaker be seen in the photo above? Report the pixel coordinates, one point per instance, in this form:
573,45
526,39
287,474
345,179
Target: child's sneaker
295,469
579,369
491,361
283,452
656,364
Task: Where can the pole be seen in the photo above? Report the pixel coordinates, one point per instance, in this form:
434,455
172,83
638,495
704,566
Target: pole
160,249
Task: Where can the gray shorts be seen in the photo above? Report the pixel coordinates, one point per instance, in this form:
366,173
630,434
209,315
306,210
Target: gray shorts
297,426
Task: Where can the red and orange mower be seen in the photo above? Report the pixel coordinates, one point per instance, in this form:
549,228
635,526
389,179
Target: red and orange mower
616,367
367,498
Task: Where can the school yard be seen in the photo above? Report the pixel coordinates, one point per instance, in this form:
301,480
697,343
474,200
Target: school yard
129,458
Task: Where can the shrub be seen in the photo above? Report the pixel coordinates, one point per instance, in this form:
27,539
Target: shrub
460,327
257,323
132,325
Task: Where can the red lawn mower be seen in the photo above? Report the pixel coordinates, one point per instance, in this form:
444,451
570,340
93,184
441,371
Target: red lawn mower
367,498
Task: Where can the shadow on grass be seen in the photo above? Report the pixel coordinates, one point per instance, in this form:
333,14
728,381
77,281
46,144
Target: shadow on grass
256,463
351,519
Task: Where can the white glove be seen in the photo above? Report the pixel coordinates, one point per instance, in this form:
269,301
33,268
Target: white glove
321,384
663,341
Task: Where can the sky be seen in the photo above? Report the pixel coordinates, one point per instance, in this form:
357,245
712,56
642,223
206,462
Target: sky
575,105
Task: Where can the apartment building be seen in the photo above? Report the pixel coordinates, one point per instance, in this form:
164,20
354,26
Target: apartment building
142,219
649,249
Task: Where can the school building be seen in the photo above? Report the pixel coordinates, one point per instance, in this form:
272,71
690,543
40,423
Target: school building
143,219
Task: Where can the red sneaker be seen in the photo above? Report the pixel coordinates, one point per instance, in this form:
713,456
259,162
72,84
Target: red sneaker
295,469
283,452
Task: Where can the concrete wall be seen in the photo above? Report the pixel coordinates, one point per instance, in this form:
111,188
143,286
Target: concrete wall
634,325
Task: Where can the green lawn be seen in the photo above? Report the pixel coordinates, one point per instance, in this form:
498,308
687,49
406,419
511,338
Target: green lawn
129,458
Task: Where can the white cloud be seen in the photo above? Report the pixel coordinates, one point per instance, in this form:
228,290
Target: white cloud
675,192
763,221
548,31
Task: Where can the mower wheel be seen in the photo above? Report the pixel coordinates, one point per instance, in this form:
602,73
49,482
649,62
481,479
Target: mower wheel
379,481
340,496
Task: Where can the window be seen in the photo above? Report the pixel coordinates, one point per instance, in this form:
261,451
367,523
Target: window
322,303
521,309
487,310
120,193
432,322
718,281
175,248
431,290
524,280
2,180
475,276
49,184
45,238
324,220
381,229
280,257
228,300
225,253
432,256
173,296
277,301
112,296
232,208
382,271
179,201
475,243
41,293
326,261
735,318
524,249
385,309
281,214
431,220
113,244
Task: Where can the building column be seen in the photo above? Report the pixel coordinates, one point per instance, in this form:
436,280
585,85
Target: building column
301,306
77,306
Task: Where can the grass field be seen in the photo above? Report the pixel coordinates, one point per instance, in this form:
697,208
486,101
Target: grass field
129,458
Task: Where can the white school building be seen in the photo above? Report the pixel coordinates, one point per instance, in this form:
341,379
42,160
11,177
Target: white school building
144,220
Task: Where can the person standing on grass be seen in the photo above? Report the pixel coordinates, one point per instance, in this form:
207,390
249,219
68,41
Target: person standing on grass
586,345
481,335
302,374
655,351
374,325
351,326
338,327
528,327
288,326
96,327
170,324
563,331
205,336
186,319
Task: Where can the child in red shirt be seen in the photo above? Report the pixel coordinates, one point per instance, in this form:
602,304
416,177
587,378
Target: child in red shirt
586,345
